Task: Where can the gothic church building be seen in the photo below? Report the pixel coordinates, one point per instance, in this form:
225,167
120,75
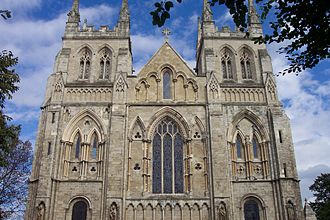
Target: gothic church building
167,143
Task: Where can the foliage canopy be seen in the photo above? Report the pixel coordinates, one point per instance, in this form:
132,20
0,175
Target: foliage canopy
321,189
8,85
13,180
303,26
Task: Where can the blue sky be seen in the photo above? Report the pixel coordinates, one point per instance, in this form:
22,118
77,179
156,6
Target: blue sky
34,35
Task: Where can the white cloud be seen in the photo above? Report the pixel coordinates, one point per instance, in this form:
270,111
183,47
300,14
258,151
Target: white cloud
307,105
224,19
17,7
144,46
24,116
35,43
308,176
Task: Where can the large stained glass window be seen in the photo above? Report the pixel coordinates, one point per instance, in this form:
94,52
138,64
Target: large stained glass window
251,210
167,173
79,211
167,85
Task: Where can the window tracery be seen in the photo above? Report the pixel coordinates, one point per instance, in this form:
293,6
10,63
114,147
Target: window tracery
249,154
167,158
105,64
226,63
85,63
246,65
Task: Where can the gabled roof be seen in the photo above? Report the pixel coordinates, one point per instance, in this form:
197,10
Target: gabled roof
166,56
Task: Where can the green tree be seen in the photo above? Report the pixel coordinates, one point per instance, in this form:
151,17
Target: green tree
321,189
8,85
15,155
302,25
13,180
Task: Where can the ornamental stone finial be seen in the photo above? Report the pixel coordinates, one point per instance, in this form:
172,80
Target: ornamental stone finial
207,12
124,12
166,32
74,15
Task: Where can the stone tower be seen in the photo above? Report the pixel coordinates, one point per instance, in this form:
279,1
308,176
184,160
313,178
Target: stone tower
169,142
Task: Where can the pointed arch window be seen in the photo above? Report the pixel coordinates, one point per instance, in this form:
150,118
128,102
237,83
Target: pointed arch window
85,63
79,211
246,65
77,145
251,210
167,173
105,64
255,147
239,148
226,63
94,146
167,85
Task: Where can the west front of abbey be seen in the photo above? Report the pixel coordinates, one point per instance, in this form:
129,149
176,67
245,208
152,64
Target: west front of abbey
167,143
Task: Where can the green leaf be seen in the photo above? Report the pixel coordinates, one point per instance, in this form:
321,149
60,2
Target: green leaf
168,5
158,5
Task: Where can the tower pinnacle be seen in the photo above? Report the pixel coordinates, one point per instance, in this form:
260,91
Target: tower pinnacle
124,18
207,13
253,15
72,25
73,15
255,27
124,12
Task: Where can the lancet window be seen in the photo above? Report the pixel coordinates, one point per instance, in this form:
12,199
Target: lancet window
246,65
239,148
227,65
167,85
167,144
255,147
105,64
77,145
94,146
85,63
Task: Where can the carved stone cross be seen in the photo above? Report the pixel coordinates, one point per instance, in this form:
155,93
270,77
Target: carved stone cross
166,32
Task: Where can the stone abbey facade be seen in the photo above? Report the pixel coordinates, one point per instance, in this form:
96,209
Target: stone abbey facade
167,143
